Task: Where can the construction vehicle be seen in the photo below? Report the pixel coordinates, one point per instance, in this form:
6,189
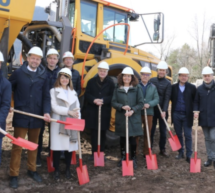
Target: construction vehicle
73,25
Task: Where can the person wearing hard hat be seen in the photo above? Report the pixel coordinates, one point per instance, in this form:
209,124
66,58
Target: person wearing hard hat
5,98
99,92
182,97
151,99
31,94
68,60
128,96
52,70
64,103
163,86
204,103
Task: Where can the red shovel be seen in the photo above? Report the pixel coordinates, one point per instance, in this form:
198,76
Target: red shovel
195,164
50,162
73,161
99,156
70,123
174,141
151,160
82,171
127,166
20,141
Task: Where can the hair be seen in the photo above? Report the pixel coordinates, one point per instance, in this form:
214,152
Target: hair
57,83
134,80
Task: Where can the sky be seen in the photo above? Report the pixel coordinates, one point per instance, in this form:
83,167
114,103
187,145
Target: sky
178,23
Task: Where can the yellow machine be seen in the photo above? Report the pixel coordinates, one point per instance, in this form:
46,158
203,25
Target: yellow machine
73,25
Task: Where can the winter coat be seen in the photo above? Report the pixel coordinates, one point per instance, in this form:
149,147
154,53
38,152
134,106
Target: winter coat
52,76
164,91
30,95
189,96
98,90
205,103
58,141
76,81
151,97
5,97
133,98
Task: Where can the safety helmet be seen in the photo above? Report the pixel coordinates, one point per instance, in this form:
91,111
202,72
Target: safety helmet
207,70
103,65
162,65
68,55
128,70
36,51
1,57
52,51
183,70
146,70
65,71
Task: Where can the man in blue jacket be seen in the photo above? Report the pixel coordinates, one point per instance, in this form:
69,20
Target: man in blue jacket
5,96
52,70
31,94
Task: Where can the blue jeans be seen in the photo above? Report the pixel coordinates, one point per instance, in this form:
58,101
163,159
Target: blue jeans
1,139
162,128
209,133
180,126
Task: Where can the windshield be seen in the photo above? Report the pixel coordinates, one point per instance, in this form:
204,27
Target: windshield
72,13
116,33
88,18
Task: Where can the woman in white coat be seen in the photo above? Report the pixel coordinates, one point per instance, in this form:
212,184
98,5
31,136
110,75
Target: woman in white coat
64,103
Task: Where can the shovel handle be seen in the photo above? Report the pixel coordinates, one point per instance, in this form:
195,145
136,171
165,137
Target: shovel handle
7,134
164,118
99,125
79,146
3,131
147,128
196,131
126,132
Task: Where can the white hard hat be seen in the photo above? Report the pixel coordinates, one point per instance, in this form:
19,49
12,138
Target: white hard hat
65,71
103,65
68,55
36,50
128,70
52,51
1,57
162,65
146,69
207,70
183,70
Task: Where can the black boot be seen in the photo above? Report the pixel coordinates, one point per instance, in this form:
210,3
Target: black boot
122,157
13,182
179,156
133,156
68,173
208,163
56,175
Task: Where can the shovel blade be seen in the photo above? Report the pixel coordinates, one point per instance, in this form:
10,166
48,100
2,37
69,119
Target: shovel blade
73,160
99,159
195,166
50,164
25,144
127,168
83,176
75,124
175,143
151,162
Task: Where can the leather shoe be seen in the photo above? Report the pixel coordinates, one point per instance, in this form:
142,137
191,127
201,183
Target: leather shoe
68,174
56,175
164,154
179,156
208,163
188,159
13,182
34,175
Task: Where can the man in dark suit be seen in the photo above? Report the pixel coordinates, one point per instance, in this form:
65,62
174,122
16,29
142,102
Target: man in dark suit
182,97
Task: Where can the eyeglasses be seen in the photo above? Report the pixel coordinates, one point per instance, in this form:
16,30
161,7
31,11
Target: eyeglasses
145,74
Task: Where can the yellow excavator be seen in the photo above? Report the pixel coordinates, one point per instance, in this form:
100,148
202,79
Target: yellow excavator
73,25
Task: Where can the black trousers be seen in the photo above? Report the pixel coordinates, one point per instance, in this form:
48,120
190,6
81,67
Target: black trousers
94,140
133,145
56,159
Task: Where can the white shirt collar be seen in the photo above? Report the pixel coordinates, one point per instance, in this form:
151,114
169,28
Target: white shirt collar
31,69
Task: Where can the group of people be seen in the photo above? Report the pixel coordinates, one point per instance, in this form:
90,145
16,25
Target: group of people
54,91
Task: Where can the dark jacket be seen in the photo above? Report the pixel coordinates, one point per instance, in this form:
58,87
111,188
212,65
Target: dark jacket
76,81
52,76
97,90
164,91
189,96
5,97
31,94
151,97
205,103
134,98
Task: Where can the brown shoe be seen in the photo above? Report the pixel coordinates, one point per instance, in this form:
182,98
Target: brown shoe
164,154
